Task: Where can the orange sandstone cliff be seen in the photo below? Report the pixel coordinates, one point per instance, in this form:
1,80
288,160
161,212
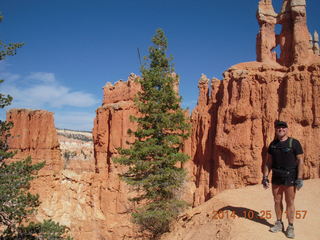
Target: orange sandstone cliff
232,125
34,134
233,122
91,204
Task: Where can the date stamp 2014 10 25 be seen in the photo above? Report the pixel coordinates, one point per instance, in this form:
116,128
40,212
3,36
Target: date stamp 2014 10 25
250,214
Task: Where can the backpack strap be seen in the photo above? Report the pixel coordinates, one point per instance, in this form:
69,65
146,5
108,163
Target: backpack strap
290,142
272,145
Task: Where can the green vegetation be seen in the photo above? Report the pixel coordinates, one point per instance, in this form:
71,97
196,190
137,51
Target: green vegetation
67,155
153,157
77,136
17,204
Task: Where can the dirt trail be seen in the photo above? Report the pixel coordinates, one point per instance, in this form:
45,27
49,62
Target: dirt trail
247,214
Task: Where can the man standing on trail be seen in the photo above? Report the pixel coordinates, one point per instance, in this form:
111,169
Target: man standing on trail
286,162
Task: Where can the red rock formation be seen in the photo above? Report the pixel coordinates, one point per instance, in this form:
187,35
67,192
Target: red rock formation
109,133
234,126
34,135
120,91
93,205
285,38
112,121
294,39
266,38
301,49
233,121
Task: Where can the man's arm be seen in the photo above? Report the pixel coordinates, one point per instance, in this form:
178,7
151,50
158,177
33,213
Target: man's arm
267,166
300,165
266,170
299,181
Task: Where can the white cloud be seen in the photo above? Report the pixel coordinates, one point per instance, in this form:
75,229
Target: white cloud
46,92
9,76
43,77
5,75
41,90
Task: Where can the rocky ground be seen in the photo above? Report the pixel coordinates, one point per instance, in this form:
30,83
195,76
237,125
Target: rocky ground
247,214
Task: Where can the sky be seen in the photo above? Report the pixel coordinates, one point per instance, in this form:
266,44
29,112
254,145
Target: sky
73,47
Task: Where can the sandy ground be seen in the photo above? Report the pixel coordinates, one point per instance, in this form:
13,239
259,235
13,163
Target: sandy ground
247,214
257,200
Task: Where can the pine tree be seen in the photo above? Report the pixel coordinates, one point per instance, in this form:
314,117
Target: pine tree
153,157
17,204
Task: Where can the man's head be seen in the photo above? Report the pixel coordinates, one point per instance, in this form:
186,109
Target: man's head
281,129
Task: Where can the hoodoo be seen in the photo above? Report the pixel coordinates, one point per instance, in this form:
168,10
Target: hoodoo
232,125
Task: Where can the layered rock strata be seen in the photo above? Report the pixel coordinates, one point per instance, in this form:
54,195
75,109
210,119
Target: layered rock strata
76,150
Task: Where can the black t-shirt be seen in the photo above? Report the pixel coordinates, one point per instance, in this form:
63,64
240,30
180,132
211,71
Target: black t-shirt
282,155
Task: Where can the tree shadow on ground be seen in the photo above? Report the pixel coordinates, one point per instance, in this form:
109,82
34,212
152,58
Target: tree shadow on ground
259,217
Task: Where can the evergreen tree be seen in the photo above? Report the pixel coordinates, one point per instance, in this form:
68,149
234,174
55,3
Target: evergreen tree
17,204
153,157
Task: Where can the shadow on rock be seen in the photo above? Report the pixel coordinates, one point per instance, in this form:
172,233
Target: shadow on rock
235,212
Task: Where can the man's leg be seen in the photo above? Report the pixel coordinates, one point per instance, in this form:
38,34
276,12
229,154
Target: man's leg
290,193
277,191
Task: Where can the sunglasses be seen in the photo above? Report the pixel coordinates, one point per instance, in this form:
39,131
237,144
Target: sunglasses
283,127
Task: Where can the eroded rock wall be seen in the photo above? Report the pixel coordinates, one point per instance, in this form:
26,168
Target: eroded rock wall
295,43
234,123
34,134
91,204
110,133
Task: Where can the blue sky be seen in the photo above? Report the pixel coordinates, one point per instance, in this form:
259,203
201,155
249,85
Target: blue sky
73,47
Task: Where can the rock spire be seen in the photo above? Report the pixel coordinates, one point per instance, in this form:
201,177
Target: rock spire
294,39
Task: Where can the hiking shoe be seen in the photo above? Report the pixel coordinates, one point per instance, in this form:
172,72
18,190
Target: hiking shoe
277,227
290,232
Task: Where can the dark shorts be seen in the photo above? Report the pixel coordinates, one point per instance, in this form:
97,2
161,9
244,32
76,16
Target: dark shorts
284,177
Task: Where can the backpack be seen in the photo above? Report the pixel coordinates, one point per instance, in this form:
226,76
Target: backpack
284,149
284,172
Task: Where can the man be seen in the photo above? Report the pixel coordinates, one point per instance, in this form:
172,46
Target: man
286,162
